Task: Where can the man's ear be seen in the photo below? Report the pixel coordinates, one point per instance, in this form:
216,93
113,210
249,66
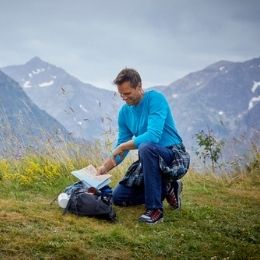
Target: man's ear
140,88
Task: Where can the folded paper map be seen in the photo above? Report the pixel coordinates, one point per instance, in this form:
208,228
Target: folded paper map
90,177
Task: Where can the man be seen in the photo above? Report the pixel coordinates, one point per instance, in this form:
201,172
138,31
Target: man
146,123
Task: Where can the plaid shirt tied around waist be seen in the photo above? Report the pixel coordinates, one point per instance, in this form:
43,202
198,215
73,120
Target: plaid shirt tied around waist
179,165
174,171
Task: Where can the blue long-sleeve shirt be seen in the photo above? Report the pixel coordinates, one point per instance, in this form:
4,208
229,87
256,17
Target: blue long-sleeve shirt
150,120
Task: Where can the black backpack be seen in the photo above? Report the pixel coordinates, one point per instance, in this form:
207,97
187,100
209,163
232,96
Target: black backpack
90,202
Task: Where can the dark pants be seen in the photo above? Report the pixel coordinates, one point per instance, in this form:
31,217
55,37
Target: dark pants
154,190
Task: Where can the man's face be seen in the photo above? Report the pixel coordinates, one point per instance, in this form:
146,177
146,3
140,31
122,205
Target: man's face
130,95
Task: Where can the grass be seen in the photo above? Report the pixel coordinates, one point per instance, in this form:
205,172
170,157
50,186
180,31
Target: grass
219,220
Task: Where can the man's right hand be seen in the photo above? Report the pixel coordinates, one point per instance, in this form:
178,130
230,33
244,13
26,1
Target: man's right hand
101,170
106,167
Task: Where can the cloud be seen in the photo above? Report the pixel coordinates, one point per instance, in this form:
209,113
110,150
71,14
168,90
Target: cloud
164,39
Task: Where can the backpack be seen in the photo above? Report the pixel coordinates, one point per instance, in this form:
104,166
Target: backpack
90,202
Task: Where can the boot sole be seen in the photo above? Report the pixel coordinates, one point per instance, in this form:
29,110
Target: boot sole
157,222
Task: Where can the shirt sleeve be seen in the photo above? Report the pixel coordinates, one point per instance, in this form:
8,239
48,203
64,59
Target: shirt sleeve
124,135
158,109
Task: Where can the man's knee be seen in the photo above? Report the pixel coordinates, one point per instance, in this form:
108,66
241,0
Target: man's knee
145,148
124,196
117,197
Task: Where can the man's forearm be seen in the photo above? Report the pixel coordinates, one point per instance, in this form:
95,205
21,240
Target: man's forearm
109,164
129,145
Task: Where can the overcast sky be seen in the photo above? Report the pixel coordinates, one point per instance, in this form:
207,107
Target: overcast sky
164,39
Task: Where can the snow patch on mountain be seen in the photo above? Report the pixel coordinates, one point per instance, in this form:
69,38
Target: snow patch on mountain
46,84
253,101
37,71
222,68
255,86
27,84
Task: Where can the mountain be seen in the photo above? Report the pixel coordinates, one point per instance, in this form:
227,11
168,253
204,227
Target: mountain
223,97
22,123
85,110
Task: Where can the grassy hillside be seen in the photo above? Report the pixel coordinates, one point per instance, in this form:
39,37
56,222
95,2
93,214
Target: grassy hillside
219,218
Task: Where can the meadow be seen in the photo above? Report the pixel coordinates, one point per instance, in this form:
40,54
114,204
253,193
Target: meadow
219,218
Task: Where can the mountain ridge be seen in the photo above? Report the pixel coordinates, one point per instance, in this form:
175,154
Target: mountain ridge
23,124
224,96
85,110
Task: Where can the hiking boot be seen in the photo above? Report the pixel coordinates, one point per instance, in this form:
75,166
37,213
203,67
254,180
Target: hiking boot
173,194
153,216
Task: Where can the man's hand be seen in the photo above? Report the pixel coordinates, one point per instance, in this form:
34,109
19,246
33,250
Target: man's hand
106,167
110,163
101,170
